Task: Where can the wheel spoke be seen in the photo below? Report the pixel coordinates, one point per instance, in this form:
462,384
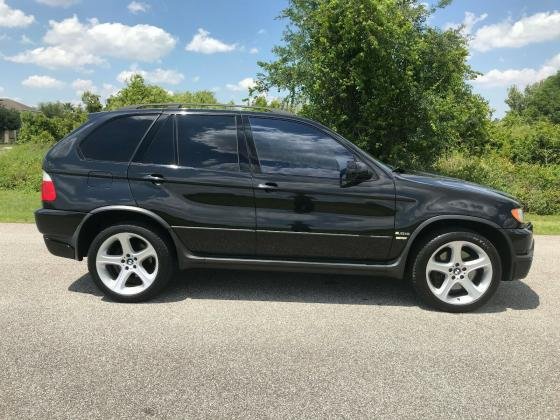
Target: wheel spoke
440,267
477,264
456,250
109,259
146,278
120,282
445,288
147,252
471,289
124,240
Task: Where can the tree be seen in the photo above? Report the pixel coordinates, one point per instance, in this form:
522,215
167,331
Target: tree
375,71
138,92
92,102
54,121
539,101
9,119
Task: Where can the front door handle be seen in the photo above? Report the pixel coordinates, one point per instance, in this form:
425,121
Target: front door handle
268,186
155,178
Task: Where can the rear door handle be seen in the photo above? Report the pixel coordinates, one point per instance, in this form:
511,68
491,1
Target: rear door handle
155,178
268,186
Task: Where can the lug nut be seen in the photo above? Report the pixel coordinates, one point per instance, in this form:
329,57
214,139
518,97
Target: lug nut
123,263
135,259
134,266
452,277
464,268
450,270
462,277
126,268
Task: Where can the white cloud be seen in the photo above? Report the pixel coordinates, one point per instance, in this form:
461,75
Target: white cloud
205,44
58,3
26,40
242,85
137,7
82,85
519,77
1,89
528,30
13,18
196,79
261,31
72,43
254,51
42,82
468,23
158,75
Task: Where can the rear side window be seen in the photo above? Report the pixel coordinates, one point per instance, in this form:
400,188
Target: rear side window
293,148
116,139
208,142
161,147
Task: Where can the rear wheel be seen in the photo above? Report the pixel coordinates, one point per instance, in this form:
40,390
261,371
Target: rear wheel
130,263
456,271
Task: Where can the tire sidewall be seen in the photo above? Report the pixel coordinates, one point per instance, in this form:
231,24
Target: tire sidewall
431,244
165,261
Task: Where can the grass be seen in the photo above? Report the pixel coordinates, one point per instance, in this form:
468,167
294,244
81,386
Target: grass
545,225
18,206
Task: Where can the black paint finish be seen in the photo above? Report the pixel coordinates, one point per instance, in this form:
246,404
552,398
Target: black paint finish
239,216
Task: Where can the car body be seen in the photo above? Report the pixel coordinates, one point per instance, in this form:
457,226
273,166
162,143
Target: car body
239,188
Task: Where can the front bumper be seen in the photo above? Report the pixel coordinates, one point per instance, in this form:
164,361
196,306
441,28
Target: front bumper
58,228
523,245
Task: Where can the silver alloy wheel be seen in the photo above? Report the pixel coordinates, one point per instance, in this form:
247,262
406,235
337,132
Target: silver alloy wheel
459,272
127,263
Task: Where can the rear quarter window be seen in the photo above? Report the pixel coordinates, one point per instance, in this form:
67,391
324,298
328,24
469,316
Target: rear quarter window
116,139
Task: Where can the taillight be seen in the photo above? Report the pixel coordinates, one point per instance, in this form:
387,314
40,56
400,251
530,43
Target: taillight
48,192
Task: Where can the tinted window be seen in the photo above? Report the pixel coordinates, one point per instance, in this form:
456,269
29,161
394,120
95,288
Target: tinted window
161,147
116,139
208,141
292,148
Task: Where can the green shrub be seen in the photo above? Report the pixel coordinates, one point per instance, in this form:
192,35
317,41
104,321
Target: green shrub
537,186
37,127
20,167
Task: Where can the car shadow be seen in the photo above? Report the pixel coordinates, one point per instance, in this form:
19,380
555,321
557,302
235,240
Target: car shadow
309,288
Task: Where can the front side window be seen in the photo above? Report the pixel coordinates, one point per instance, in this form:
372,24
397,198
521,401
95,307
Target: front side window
292,148
116,139
208,142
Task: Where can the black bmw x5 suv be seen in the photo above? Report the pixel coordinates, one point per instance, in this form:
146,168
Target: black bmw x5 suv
143,191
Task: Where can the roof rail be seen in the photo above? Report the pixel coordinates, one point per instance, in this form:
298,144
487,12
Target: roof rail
202,105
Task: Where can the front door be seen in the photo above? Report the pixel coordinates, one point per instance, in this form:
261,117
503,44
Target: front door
190,171
303,209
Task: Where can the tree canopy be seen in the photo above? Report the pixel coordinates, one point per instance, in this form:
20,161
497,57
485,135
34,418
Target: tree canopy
9,119
538,101
378,73
138,92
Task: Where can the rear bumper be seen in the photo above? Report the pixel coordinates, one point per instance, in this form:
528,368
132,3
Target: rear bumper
523,247
58,228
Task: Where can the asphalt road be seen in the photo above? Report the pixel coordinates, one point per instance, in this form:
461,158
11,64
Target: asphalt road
245,344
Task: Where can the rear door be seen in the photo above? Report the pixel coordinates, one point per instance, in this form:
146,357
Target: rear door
303,211
193,171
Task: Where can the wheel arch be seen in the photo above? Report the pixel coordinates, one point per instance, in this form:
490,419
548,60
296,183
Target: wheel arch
484,227
103,217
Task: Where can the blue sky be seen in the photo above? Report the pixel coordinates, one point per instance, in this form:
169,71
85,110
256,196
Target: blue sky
54,49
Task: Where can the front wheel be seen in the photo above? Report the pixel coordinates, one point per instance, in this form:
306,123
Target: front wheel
456,271
130,263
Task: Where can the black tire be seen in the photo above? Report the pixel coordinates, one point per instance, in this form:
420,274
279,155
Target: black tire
162,247
430,245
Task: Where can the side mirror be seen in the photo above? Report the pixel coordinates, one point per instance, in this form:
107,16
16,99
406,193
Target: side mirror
355,173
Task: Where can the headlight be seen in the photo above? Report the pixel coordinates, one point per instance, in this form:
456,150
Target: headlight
518,215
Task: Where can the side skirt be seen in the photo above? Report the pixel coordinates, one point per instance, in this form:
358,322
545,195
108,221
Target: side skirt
392,269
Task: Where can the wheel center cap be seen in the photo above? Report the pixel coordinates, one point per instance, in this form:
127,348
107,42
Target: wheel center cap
130,261
457,271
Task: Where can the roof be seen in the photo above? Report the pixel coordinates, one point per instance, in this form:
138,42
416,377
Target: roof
11,104
205,107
